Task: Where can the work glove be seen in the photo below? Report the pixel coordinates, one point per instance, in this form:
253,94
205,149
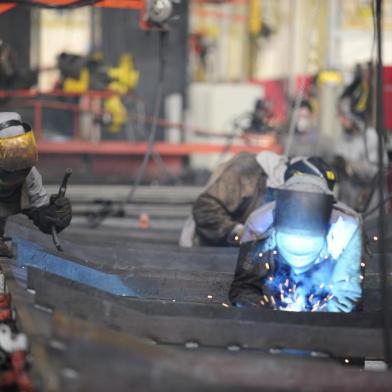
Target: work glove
57,213
234,237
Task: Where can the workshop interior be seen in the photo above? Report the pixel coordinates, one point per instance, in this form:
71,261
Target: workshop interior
195,195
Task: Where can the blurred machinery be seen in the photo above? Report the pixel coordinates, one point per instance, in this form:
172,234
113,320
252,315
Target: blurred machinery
82,74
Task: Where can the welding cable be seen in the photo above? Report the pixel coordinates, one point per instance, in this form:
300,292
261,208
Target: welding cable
385,300
38,4
375,208
96,218
300,95
373,188
154,125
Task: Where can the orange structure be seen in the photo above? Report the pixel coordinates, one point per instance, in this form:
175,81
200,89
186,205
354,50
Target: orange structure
132,4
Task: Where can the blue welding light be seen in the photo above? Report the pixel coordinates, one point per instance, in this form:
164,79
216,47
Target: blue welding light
299,250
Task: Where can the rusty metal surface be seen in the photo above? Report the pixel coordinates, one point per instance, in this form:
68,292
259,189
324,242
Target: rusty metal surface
83,338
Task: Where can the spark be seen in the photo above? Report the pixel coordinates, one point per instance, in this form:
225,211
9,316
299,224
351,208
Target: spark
287,283
262,302
363,264
346,361
209,296
274,252
236,238
271,278
361,277
260,254
273,300
225,305
173,300
311,297
322,285
267,266
375,238
266,298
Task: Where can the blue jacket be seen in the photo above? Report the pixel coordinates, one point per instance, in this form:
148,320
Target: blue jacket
333,283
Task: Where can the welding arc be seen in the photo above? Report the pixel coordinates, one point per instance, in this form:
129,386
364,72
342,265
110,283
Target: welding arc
381,218
38,4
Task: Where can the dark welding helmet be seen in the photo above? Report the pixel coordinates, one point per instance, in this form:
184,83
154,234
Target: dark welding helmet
18,150
312,165
302,213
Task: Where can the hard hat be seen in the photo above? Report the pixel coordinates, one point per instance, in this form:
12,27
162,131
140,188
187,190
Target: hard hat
18,150
312,165
302,213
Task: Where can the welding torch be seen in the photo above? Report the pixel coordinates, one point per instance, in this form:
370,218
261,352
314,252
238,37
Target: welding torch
61,193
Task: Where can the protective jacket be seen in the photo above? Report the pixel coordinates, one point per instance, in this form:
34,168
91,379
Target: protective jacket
235,189
333,283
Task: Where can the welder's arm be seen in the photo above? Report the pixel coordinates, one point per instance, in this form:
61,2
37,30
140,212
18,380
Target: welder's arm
346,279
44,211
246,289
36,192
214,209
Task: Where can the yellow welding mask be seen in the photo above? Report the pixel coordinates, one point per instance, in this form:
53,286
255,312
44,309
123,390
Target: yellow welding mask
17,152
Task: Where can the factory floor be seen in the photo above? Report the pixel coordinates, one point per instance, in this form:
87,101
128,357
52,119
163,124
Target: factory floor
123,308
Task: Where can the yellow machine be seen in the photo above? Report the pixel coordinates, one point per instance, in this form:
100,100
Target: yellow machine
120,80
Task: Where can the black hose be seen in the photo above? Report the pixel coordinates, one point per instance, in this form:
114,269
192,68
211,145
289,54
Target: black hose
109,209
381,218
155,119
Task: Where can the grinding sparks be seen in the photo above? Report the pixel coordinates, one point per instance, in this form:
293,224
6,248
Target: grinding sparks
236,238
274,252
225,305
363,264
260,255
346,361
267,266
375,238
209,296
361,277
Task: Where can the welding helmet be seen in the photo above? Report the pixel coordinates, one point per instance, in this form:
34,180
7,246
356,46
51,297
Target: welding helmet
312,165
18,150
302,213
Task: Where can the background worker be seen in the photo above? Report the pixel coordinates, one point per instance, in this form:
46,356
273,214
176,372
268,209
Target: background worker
356,157
301,252
237,188
21,189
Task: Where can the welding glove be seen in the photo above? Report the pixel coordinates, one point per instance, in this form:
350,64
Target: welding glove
234,237
57,213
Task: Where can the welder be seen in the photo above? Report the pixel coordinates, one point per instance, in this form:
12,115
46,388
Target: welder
21,189
301,252
238,187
